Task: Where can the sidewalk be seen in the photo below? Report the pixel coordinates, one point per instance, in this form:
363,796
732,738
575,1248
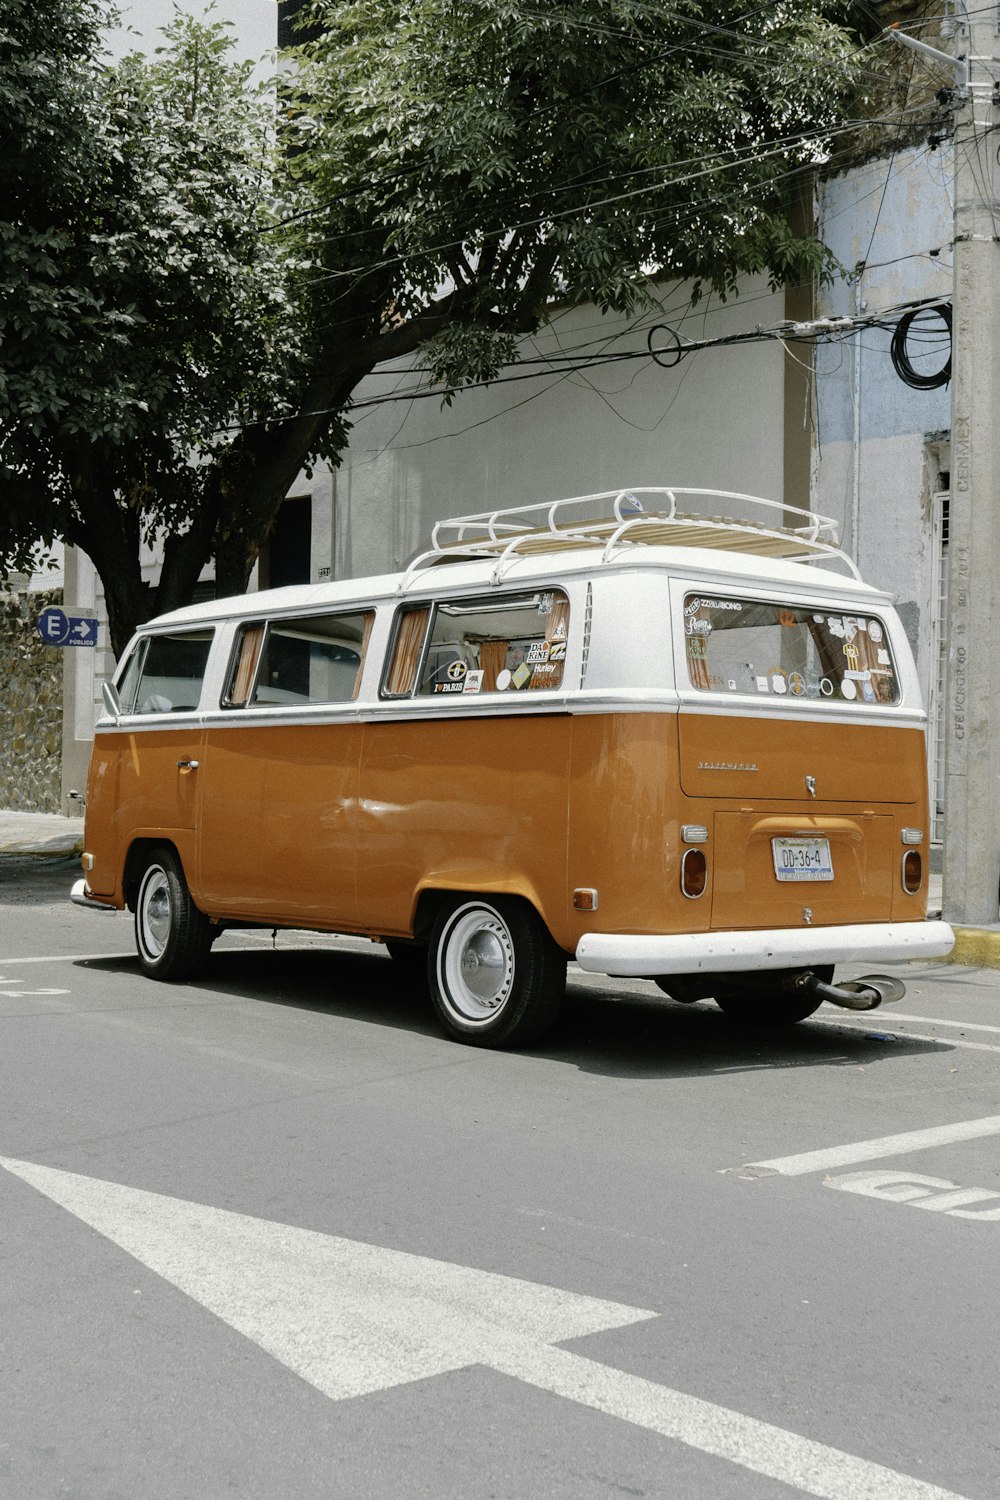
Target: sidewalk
41,834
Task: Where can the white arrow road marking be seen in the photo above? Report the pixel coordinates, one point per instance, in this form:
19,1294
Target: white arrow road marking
352,1318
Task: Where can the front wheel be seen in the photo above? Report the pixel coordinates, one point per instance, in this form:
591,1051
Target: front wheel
172,937
496,976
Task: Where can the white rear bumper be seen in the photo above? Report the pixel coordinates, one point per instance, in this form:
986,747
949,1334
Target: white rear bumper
635,955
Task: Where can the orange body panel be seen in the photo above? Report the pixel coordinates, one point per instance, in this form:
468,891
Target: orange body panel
861,763
748,775
467,804
341,826
277,828
135,790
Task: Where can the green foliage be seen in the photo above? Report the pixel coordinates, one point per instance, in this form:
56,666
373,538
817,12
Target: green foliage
141,310
514,151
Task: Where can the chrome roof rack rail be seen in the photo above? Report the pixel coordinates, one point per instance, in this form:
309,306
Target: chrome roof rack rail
625,519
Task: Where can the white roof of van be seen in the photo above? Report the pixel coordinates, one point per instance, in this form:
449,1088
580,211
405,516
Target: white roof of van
461,575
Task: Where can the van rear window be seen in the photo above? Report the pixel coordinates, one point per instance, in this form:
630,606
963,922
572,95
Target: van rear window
778,650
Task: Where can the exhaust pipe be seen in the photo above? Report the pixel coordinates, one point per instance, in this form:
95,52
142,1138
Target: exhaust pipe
854,994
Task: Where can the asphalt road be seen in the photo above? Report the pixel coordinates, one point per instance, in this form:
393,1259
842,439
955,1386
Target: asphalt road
272,1235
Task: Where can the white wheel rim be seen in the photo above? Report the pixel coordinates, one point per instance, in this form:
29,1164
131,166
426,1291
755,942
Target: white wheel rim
154,912
475,965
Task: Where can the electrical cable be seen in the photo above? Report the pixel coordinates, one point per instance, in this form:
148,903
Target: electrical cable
899,352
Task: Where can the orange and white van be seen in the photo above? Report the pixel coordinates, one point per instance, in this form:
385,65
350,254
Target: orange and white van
664,744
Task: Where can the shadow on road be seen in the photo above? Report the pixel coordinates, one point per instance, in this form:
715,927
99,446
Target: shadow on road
37,880
601,1031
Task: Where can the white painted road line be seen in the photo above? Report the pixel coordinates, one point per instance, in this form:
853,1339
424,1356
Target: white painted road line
897,1015
69,958
352,1319
874,1150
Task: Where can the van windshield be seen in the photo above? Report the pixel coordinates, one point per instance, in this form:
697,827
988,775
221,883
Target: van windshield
772,649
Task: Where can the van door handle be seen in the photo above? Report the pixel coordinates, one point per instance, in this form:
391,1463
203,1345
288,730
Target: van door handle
187,765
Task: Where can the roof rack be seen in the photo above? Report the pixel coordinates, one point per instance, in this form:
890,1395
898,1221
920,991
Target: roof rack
548,527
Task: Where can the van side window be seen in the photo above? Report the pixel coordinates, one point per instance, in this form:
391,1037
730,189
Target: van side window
791,651
165,673
309,659
497,644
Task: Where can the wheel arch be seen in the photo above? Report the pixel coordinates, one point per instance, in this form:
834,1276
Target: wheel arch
136,861
432,895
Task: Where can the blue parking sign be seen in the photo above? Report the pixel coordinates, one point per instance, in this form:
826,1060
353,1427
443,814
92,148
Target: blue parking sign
53,626
57,628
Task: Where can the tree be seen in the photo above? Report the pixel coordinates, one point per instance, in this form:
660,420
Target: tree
448,169
141,310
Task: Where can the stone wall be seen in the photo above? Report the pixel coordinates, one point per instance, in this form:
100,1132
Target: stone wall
31,705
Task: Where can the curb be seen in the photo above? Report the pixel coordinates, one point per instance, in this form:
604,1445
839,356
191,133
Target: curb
52,851
975,947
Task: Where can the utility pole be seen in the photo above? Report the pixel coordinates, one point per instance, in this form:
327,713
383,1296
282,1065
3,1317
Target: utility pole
972,707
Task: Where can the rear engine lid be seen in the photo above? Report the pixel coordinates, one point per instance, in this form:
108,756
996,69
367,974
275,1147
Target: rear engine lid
787,760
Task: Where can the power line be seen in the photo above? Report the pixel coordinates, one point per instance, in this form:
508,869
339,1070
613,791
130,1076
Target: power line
832,329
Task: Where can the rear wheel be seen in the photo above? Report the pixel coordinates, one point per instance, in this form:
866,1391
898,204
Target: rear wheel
172,937
496,976
763,1004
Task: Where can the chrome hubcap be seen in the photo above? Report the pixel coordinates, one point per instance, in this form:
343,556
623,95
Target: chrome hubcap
155,912
476,964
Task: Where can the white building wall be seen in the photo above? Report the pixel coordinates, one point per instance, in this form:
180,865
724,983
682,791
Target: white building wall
254,25
714,421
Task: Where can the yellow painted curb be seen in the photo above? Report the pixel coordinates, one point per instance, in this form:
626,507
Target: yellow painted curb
978,947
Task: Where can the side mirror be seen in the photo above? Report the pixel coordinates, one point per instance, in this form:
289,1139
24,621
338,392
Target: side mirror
112,702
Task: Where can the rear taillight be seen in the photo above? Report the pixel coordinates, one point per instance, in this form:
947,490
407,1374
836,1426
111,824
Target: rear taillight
694,873
913,871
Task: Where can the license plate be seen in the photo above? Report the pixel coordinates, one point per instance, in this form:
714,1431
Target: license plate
802,859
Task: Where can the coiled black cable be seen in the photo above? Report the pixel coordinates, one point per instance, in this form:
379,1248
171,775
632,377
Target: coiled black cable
901,362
